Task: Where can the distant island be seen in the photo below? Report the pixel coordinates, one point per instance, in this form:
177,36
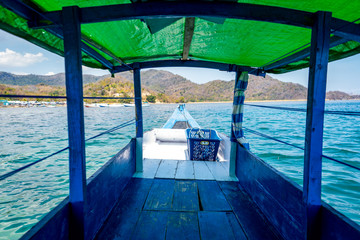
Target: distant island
160,87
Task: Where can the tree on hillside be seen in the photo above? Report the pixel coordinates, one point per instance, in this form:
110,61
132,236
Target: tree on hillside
151,98
181,100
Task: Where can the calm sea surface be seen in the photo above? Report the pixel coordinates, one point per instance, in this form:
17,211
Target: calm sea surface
28,134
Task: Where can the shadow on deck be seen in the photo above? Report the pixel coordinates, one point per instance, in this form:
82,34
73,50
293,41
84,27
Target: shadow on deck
185,209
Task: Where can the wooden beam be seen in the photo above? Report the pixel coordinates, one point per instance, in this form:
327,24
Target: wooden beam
139,120
190,63
245,11
102,49
320,39
152,10
85,48
75,113
188,35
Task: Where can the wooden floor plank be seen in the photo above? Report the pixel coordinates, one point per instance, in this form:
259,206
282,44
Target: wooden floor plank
185,170
170,209
252,222
218,171
201,171
211,197
160,195
215,226
186,196
151,225
122,220
182,226
235,226
167,169
150,168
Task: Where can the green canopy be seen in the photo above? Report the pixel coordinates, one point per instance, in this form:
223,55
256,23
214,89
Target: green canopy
232,41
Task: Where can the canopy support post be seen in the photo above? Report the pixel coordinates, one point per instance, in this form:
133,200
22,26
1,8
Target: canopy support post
319,55
139,120
237,132
233,155
75,113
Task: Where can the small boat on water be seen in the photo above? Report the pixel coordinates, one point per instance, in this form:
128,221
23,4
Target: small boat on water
133,104
102,105
115,105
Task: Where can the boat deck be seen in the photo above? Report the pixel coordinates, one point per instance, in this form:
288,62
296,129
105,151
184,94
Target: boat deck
185,169
178,209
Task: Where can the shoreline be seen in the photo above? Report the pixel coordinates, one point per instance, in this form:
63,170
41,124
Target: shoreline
254,101
249,101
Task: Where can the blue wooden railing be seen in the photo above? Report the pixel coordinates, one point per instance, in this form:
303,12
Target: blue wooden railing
345,113
122,125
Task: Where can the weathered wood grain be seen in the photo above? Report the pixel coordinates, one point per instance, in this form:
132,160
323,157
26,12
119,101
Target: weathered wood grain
182,226
185,170
161,195
202,172
121,222
211,196
215,226
186,196
151,225
251,221
167,169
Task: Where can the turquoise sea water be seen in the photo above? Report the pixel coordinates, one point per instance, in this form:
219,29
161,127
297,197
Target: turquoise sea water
28,134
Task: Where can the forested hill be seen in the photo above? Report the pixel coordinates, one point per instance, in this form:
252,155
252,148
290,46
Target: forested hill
33,79
164,85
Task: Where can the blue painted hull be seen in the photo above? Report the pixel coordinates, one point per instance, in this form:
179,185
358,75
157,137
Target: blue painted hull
267,191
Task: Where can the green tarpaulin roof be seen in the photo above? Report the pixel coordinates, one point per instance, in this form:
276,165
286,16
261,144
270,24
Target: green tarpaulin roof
240,42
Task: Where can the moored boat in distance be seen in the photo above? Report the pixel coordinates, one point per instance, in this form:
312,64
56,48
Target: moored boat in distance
115,105
102,105
133,104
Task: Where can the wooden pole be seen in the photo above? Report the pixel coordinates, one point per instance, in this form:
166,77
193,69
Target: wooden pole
319,55
75,114
234,143
139,120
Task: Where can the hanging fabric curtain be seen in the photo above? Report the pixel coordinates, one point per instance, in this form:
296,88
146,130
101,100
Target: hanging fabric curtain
237,133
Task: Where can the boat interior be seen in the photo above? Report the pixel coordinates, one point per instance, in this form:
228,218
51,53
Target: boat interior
166,155
152,189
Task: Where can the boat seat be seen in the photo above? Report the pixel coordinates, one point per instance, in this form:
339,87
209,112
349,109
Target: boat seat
170,135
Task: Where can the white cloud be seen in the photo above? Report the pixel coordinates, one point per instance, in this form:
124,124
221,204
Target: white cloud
20,73
49,74
11,58
94,71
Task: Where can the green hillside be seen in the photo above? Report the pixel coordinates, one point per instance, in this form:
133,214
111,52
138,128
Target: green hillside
159,86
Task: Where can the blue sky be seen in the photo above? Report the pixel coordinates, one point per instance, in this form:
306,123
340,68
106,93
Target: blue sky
21,57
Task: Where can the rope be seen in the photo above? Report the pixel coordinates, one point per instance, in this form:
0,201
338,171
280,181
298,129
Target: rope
346,113
289,144
280,108
275,139
4,176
